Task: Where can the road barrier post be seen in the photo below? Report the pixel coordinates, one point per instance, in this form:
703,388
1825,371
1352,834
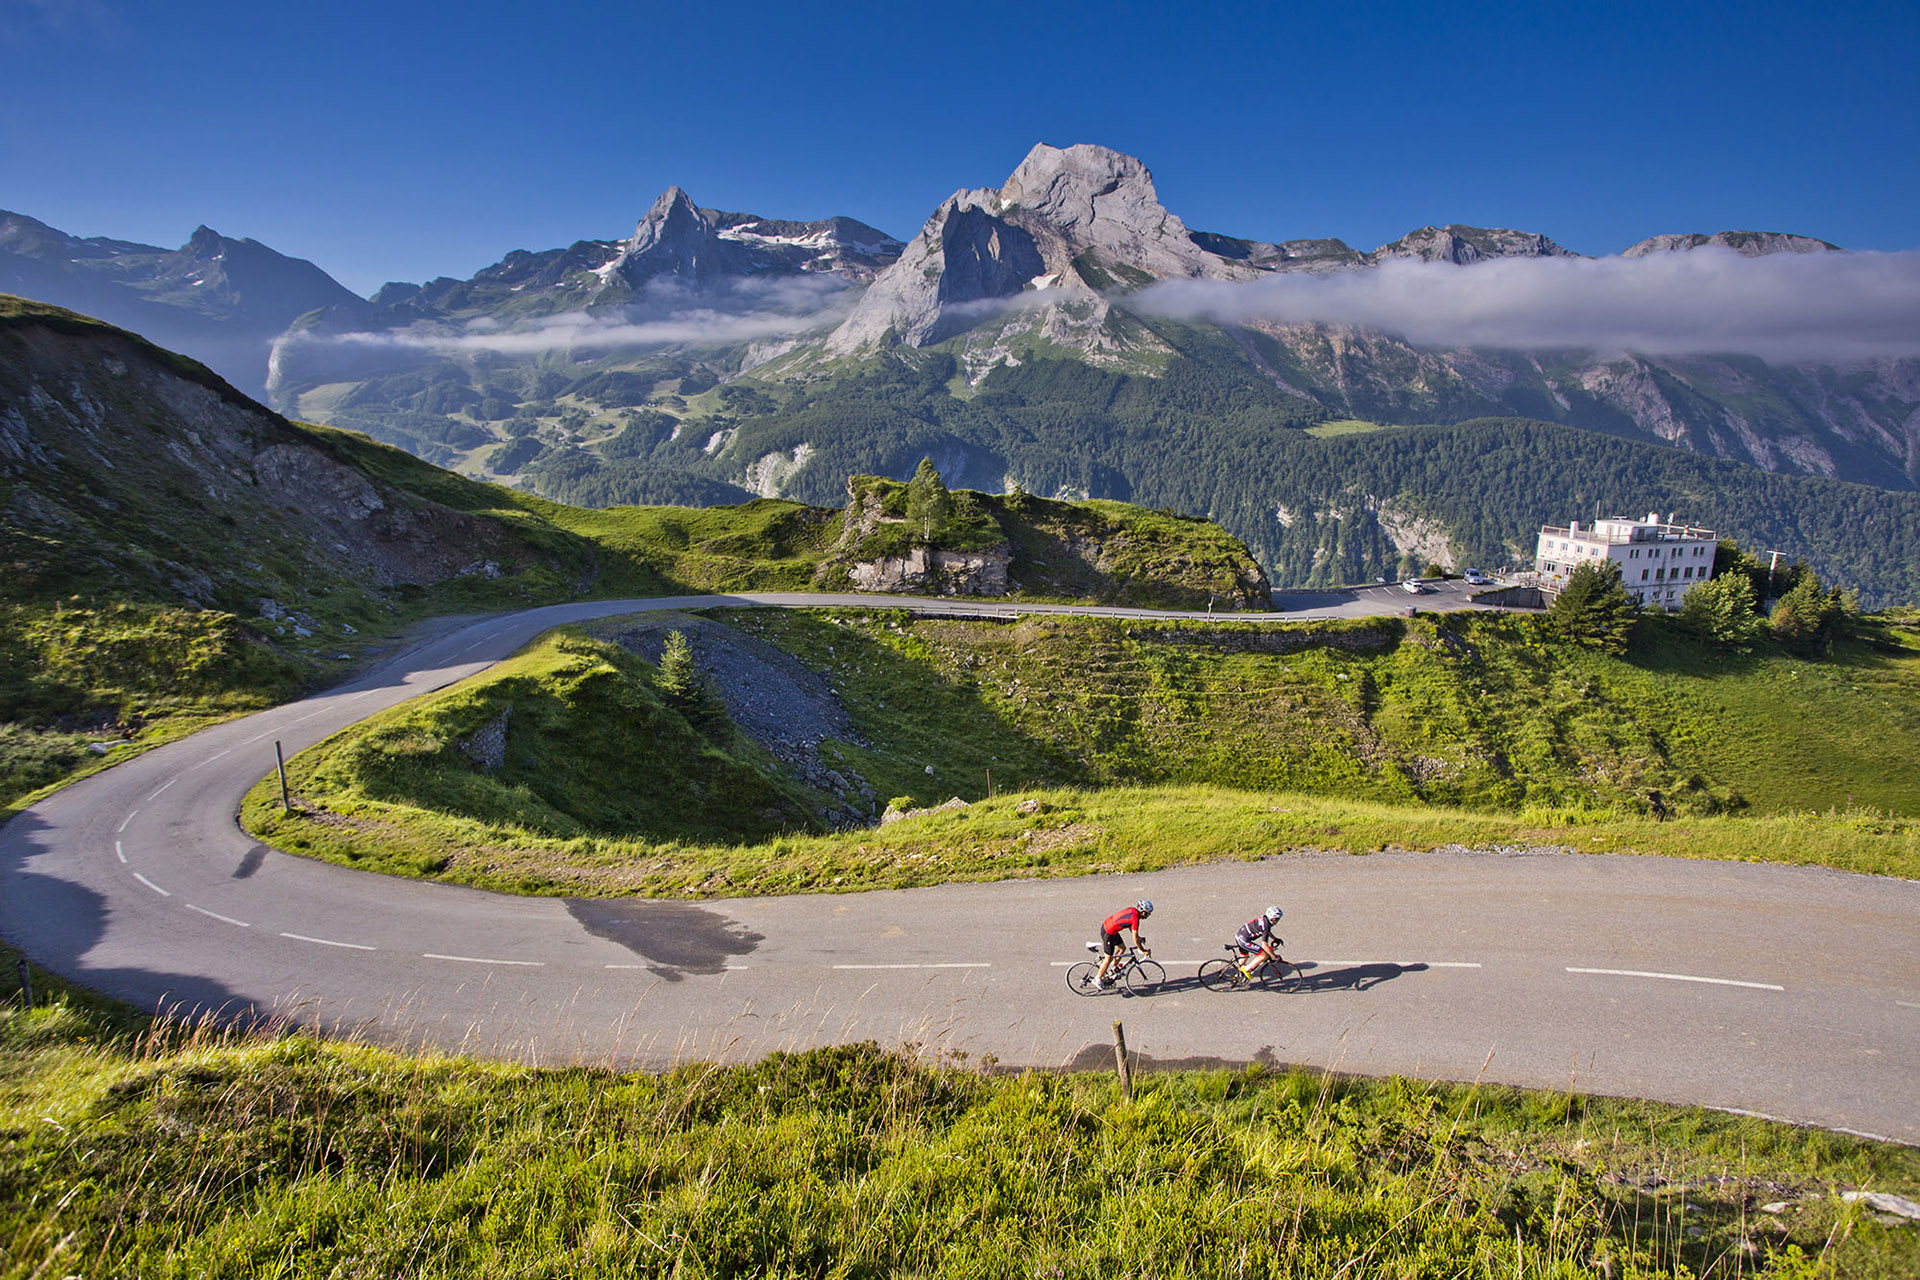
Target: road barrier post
286,801
1120,1061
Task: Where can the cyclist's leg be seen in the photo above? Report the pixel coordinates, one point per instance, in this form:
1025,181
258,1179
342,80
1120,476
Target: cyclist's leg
1110,947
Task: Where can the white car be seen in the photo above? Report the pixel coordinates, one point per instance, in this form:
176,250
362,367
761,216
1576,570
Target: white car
1413,587
1475,578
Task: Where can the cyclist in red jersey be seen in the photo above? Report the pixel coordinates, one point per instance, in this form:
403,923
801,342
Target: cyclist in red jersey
1110,941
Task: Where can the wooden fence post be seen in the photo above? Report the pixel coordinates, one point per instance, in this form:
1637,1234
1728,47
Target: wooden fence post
1120,1061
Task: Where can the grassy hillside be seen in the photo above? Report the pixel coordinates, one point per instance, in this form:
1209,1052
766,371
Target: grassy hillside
130,1148
1144,745
173,552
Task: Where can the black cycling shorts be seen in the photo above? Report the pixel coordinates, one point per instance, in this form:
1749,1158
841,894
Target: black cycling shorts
1111,944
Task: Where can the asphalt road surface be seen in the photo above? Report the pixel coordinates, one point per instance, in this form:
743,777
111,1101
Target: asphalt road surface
1790,992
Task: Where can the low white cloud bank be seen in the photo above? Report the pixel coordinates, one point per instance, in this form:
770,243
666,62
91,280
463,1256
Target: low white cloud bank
665,313
1782,307
577,331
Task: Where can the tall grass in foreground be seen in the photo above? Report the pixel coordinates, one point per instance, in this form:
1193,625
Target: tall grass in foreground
176,1150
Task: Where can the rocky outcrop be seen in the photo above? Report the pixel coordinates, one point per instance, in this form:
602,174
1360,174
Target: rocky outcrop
873,553
927,571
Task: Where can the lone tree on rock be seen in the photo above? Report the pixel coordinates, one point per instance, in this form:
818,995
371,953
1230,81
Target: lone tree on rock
929,505
1594,610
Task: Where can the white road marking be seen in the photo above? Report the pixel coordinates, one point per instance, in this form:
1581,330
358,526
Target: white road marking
626,966
329,942
1402,964
163,786
1679,977
1907,1004
210,759
533,964
151,885
117,852
969,964
129,818
217,916
1319,964
288,725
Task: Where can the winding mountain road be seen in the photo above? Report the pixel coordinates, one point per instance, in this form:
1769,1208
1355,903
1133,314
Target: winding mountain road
1790,992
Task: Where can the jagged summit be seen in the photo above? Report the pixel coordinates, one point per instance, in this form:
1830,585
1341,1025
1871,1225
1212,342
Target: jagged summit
1081,225
1462,245
1073,223
1748,244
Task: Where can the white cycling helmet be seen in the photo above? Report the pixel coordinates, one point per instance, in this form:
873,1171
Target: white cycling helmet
1274,913
1144,907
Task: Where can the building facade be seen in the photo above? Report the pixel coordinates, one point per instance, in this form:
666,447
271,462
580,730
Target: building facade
1658,559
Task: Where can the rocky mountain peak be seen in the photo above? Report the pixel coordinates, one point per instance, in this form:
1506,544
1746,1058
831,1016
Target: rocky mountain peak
1748,244
205,242
1075,187
1461,245
1070,223
674,220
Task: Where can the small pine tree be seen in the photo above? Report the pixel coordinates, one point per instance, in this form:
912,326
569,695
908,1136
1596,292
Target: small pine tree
680,677
1723,611
1594,610
929,505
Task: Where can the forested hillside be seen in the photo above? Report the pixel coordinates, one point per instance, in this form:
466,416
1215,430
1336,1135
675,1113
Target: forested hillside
1209,436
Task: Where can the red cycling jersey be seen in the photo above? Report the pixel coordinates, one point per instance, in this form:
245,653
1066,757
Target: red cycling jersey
1127,918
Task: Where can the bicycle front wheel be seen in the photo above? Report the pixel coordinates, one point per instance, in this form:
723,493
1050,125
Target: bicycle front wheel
1145,977
1081,978
1221,975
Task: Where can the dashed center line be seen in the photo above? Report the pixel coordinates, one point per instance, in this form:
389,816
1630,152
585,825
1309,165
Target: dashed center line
129,818
163,786
1679,977
329,942
151,885
210,759
118,853
964,964
217,916
531,964
1907,1004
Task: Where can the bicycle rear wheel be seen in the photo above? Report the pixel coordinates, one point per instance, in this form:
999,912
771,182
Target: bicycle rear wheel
1080,978
1221,975
1144,977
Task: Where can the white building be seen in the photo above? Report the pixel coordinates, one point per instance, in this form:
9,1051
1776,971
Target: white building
1658,559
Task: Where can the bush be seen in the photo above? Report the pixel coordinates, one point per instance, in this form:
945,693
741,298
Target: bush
1594,611
1722,611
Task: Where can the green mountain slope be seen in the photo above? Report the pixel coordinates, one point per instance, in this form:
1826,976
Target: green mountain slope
171,550
1456,728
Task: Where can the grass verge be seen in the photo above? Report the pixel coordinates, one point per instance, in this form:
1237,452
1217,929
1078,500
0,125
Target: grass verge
138,1148
1095,746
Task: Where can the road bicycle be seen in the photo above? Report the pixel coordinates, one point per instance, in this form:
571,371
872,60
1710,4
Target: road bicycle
1225,974
1135,973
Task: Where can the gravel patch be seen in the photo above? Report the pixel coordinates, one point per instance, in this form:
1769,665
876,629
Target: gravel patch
771,697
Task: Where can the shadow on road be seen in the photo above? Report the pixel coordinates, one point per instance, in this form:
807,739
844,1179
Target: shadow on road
58,923
1309,977
677,937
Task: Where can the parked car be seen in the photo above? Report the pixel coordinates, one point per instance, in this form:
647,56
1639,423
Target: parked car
1475,578
1413,587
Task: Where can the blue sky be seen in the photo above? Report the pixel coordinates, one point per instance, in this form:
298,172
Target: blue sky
406,140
